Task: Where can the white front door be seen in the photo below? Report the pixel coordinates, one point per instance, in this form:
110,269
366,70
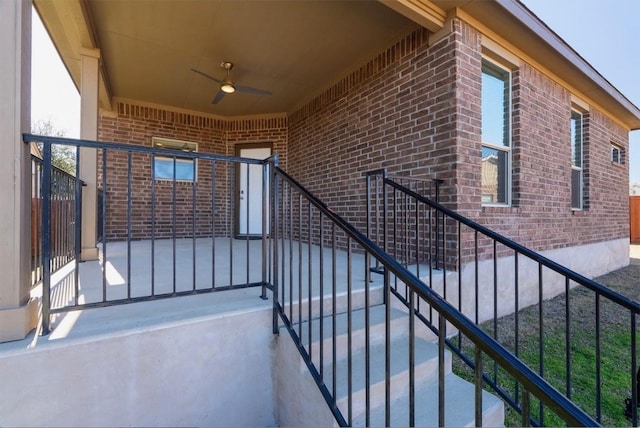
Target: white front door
250,193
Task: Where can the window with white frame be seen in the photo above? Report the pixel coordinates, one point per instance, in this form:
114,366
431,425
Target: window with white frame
617,154
174,167
577,145
496,134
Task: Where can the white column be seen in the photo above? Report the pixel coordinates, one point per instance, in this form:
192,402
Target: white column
18,312
88,157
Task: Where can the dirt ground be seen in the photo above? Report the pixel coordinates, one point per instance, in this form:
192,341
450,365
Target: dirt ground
626,281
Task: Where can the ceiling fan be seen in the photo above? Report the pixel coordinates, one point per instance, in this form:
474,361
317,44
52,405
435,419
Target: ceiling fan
227,86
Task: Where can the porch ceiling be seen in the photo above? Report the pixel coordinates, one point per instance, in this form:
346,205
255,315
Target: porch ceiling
290,48
294,49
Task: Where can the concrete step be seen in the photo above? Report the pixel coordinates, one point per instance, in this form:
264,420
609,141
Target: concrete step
459,407
398,324
459,393
426,369
300,307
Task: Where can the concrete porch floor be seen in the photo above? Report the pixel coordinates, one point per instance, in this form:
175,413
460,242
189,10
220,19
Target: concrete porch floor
218,263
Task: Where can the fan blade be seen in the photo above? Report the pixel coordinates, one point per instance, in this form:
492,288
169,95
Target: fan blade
218,97
250,90
206,75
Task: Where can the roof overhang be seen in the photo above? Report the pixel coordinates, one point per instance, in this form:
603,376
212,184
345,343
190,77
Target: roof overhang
294,49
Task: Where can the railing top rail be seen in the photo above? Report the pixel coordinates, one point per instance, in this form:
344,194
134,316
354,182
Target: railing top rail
384,173
530,380
612,295
381,171
27,138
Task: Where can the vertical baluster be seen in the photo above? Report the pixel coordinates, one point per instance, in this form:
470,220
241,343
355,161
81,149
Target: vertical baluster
526,408
46,238
567,336
153,222
310,276
387,348
129,208
412,359
300,266
417,237
333,307
540,336
367,339
476,275
431,256
77,229
194,195
459,267
442,336
248,215
265,214
104,220
478,385
276,235
213,224
516,317
407,254
232,219
349,335
290,203
321,273
174,209
495,305
634,368
282,239
444,256
598,363
395,232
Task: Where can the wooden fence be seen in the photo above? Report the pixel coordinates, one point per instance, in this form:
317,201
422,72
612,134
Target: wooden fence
634,218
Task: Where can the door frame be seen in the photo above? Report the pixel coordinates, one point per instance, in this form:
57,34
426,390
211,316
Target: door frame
236,197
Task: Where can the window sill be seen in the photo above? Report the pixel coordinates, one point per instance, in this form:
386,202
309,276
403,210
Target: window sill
579,213
500,209
618,165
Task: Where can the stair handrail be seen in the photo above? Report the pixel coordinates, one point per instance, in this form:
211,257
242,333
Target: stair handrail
545,261
531,381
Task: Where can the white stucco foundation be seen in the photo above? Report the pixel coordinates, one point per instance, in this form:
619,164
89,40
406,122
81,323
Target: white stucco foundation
195,367
590,260
298,399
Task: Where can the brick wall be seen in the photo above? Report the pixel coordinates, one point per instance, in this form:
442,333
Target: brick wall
210,214
415,109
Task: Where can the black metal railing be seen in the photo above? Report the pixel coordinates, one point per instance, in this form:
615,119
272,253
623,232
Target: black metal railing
401,237
332,305
491,279
63,223
160,236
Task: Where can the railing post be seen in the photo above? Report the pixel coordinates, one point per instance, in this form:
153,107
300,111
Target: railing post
46,238
384,232
275,220
265,203
436,198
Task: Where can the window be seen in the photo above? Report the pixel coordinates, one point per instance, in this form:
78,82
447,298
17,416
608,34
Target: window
577,184
496,135
617,154
170,167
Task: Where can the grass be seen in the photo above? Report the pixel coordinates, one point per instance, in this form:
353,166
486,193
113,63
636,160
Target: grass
615,345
